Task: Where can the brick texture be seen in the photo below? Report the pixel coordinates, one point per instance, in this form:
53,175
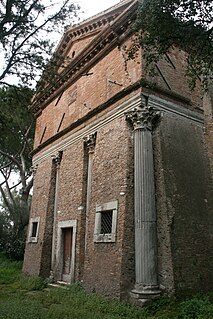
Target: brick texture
183,154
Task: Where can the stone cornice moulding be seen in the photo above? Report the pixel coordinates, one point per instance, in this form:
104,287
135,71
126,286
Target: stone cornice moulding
101,107
89,26
89,129
112,35
174,109
171,109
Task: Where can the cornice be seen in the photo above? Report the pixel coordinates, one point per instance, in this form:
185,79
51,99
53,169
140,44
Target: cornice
89,129
90,25
89,115
166,108
103,43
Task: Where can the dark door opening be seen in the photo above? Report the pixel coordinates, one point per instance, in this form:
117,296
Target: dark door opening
67,237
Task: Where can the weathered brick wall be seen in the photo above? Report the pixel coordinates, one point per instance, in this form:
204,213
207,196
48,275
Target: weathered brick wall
128,240
170,76
71,196
181,169
184,206
104,261
33,251
208,118
88,93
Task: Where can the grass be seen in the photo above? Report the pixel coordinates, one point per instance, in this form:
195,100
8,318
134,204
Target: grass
29,298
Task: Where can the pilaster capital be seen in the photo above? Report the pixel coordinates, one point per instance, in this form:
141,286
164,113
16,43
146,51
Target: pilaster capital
57,158
34,169
143,118
90,141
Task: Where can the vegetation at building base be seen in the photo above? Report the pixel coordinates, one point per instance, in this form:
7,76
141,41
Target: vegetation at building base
30,298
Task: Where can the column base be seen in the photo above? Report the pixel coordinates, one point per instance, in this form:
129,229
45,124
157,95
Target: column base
144,295
51,276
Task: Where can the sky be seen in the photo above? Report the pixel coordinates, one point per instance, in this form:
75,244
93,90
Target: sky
89,8
92,7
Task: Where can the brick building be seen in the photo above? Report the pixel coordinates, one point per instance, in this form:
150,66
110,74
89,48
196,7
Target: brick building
122,189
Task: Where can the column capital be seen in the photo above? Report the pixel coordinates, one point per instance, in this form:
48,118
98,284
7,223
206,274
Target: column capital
90,141
34,169
143,118
57,158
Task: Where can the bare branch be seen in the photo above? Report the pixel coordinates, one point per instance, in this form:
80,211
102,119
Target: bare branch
5,199
12,159
11,200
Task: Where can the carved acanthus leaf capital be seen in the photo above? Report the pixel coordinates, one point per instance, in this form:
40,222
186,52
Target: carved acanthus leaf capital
34,169
57,158
143,118
90,141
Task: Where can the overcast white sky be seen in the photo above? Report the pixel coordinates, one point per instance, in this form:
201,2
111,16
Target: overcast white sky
92,7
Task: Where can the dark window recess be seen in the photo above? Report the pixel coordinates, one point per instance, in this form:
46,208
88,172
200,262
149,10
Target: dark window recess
34,229
106,222
60,122
42,136
60,96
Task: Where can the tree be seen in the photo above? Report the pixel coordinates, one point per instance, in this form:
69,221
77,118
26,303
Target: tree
16,142
27,35
186,24
27,39
12,228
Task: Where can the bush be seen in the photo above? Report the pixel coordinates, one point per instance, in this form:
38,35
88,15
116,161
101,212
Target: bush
196,308
14,247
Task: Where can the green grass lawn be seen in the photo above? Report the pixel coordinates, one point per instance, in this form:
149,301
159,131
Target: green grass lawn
30,298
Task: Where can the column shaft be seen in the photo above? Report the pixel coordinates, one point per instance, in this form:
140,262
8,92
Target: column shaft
145,214
146,281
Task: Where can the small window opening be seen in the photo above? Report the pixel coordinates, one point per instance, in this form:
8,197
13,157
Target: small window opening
34,229
106,222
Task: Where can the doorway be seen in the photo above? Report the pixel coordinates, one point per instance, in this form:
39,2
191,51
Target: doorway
66,250
67,241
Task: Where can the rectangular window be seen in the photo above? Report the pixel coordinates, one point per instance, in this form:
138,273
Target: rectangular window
106,222
33,230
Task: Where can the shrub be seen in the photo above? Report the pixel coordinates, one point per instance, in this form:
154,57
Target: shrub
14,247
196,308
33,283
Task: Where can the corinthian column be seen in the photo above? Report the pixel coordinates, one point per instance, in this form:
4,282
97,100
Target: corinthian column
146,281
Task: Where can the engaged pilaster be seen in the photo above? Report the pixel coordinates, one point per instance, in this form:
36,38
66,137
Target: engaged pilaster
56,161
146,281
90,142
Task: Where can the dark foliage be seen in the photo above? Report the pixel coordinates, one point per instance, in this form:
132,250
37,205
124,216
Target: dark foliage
186,24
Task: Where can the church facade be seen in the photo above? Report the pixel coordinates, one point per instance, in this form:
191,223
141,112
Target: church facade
122,198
